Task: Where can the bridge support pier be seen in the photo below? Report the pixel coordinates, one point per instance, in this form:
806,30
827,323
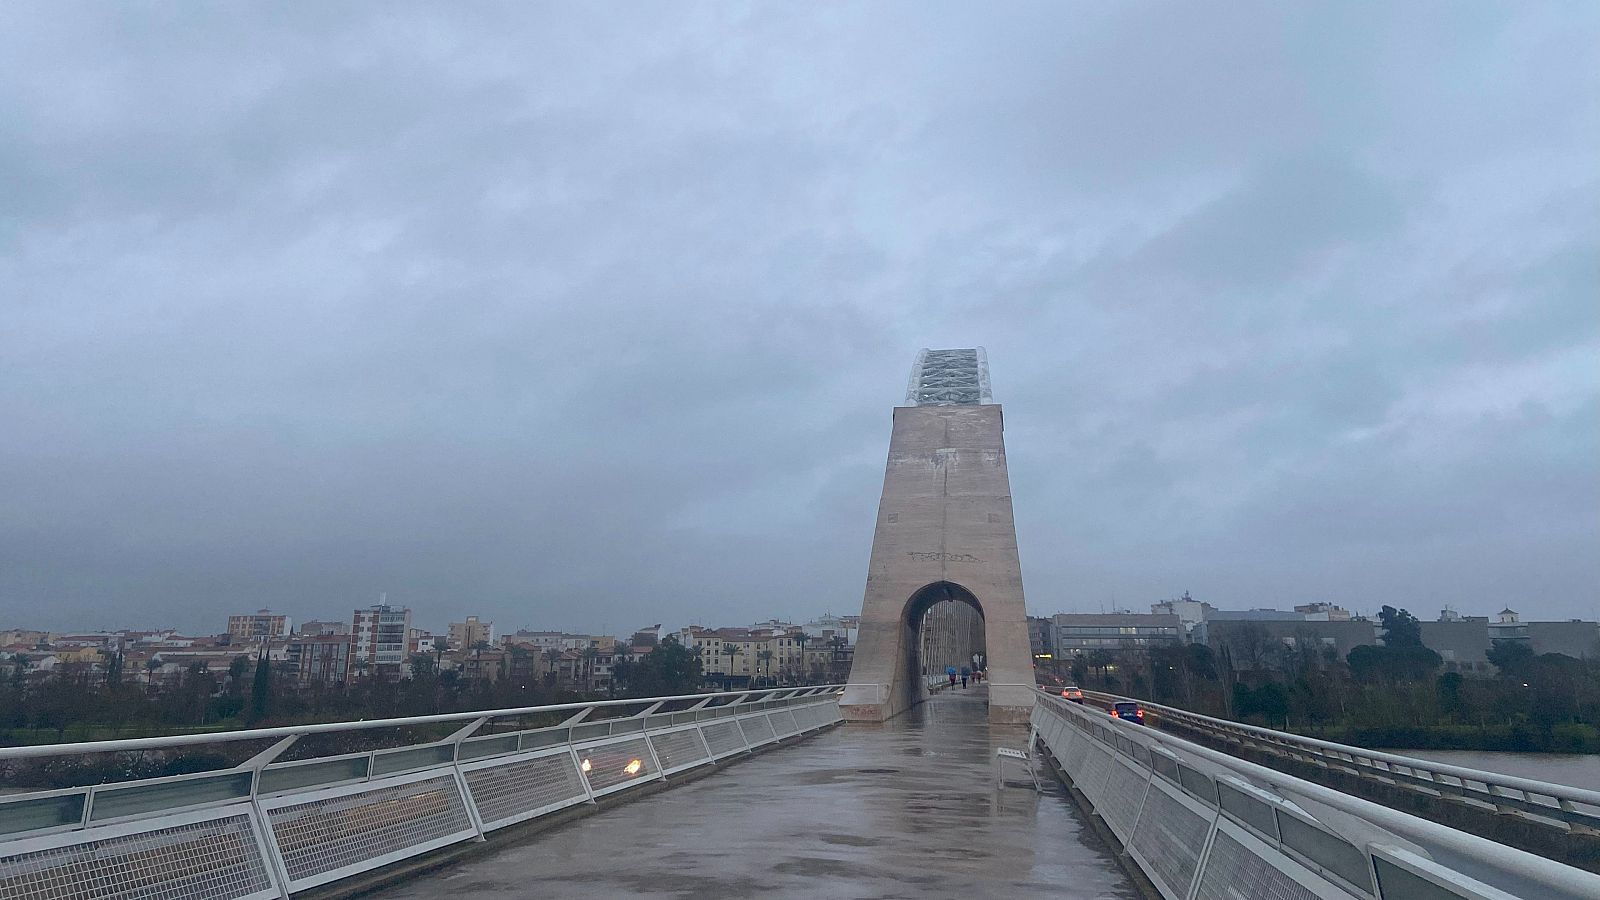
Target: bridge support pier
944,532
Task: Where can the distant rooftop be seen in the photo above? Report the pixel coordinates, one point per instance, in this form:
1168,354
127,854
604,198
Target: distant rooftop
949,378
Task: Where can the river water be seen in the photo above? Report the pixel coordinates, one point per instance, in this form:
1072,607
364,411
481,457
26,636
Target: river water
1574,769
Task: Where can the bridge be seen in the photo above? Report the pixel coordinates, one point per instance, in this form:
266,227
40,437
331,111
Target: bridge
889,786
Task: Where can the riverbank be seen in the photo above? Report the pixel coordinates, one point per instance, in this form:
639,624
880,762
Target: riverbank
1567,737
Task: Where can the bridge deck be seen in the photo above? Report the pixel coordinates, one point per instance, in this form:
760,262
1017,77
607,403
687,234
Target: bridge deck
904,809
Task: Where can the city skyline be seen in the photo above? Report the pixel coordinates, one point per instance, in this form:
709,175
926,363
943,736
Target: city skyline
598,318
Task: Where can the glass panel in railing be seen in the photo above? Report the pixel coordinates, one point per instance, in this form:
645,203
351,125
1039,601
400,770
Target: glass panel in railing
300,775
111,803
41,812
1251,811
1329,851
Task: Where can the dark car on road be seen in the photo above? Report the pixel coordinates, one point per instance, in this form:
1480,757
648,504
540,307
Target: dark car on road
1128,710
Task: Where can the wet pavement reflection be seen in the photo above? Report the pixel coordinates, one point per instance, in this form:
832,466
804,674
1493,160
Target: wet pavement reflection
904,809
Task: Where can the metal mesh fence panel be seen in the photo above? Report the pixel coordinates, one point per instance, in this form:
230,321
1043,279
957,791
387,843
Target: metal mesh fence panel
783,723
1124,794
1234,872
680,749
1096,769
723,738
206,860
327,838
1168,841
808,716
757,730
617,765
520,789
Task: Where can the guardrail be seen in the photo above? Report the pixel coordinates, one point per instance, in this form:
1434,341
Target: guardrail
270,827
1568,808
1203,824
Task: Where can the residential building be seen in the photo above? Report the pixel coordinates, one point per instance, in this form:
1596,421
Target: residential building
322,657
23,636
314,628
745,655
846,627
420,641
1323,612
551,640
1574,637
261,625
469,634
1508,626
378,636
1461,641
1041,638
1083,632
1191,614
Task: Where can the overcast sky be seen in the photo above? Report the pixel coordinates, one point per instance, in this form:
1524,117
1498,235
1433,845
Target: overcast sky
593,316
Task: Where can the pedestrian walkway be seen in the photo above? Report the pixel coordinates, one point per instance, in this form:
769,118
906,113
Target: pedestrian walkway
903,809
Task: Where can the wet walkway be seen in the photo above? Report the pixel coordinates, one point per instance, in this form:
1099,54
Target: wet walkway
903,810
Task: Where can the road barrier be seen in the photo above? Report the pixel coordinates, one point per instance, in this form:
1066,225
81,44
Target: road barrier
1204,825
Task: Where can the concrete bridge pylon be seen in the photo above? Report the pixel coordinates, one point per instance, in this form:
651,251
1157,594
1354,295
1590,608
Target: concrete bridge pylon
944,532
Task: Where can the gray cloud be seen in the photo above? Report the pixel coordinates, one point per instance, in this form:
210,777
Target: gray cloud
579,319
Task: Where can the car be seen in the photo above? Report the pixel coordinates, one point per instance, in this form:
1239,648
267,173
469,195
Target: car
1072,692
1128,711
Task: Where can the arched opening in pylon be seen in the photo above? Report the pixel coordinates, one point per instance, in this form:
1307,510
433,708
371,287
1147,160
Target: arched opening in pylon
944,627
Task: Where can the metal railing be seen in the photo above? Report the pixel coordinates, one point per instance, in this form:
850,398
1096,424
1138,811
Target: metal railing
1568,808
269,825
1202,824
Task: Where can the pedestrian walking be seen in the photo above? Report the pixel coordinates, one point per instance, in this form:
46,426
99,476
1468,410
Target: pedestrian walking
965,674
950,672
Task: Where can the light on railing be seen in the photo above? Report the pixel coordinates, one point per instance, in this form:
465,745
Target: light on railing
585,766
633,767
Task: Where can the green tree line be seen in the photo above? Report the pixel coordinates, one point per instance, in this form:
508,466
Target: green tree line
1394,695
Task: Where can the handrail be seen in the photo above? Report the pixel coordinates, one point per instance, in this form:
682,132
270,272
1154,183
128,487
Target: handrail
283,731
254,818
1519,863
1554,790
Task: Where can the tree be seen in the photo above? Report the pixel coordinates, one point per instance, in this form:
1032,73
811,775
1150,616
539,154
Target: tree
1249,644
1400,628
236,670
1080,669
114,671
1513,659
422,667
765,657
800,641
1099,660
552,658
731,650
260,691
590,654
668,670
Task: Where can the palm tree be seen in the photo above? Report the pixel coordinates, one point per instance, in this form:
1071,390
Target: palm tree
800,641
765,656
589,654
552,658
732,650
